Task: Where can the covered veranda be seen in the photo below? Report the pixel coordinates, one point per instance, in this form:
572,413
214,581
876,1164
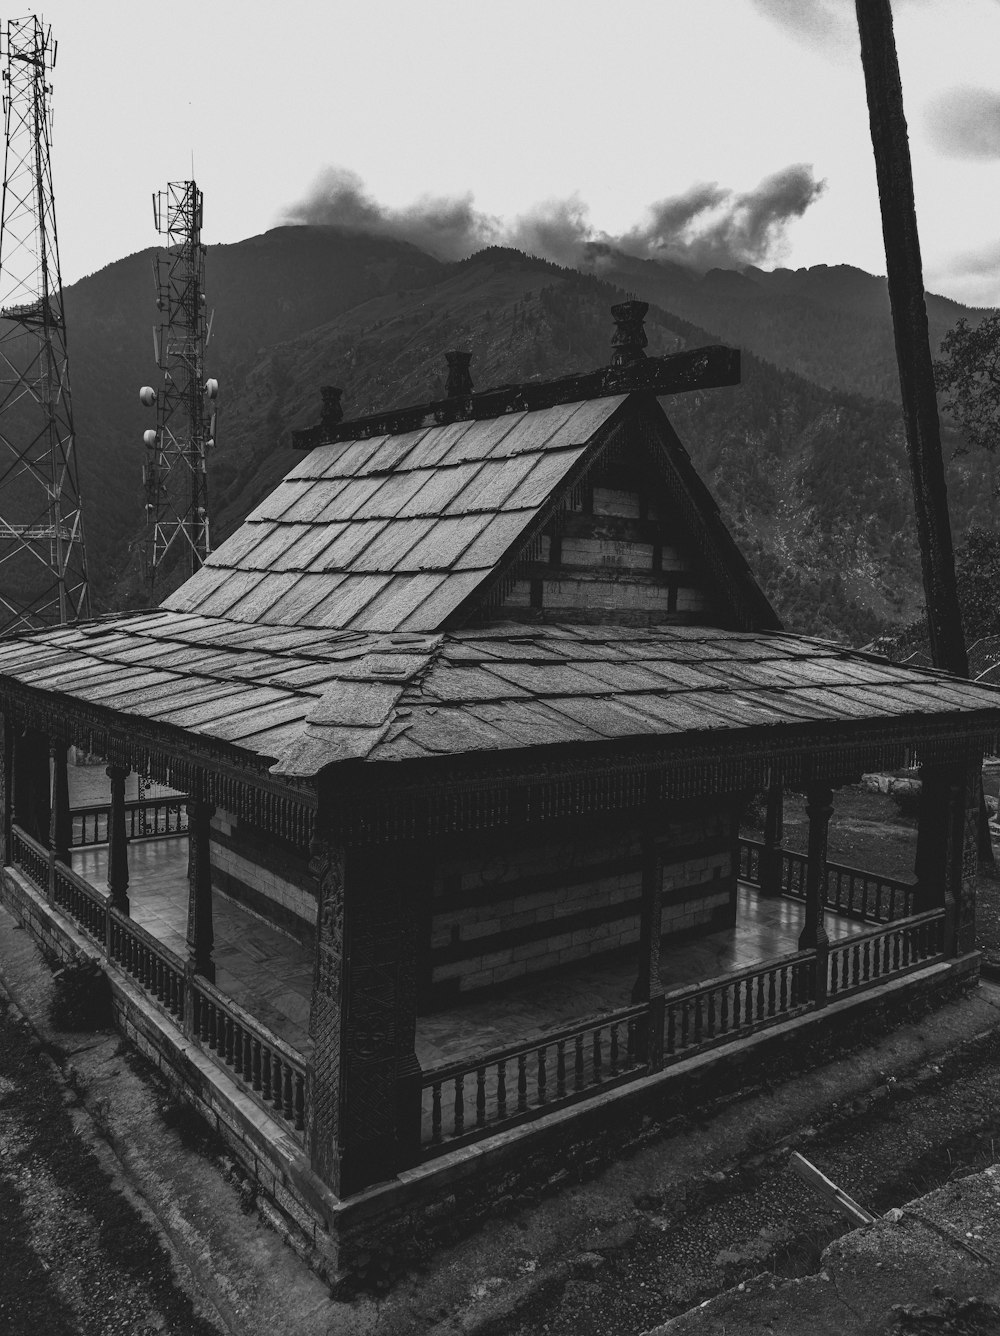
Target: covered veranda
332,1043
270,974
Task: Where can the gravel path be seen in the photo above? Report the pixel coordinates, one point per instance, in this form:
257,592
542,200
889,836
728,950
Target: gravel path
79,1257
753,1215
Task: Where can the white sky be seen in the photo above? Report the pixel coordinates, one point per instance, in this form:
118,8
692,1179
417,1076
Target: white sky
619,104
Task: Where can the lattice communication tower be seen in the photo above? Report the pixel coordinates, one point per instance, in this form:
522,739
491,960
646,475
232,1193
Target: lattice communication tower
174,475
43,565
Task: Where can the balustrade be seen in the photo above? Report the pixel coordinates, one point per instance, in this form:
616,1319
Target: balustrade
268,1068
470,1099
146,818
863,961
709,1013
867,896
31,857
85,904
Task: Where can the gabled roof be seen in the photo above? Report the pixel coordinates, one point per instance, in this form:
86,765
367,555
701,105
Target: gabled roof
302,700
395,532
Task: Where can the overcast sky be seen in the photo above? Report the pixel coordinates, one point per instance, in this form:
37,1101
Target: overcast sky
720,131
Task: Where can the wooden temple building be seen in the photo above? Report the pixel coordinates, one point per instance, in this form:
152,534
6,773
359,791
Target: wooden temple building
469,704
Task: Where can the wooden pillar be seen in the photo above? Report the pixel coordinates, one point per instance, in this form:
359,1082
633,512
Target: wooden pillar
774,821
200,933
6,787
648,985
819,809
31,784
61,821
363,1079
118,840
947,858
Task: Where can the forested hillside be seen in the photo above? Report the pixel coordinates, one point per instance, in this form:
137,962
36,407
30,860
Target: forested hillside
812,480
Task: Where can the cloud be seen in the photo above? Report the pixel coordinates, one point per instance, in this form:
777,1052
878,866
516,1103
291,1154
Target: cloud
706,226
965,122
826,23
449,228
709,226
971,276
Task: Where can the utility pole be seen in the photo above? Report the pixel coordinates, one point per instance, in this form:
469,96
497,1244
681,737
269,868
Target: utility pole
43,565
913,349
909,320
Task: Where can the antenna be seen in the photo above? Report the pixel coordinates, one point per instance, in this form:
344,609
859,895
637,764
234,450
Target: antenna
43,566
175,477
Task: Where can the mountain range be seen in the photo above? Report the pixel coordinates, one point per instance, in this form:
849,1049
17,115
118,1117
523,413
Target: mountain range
805,457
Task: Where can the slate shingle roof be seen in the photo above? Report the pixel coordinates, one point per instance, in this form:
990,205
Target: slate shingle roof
305,699
393,533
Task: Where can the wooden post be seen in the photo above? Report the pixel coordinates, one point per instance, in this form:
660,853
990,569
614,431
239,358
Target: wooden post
770,855
6,787
31,784
200,933
819,809
363,1081
61,822
948,848
648,985
118,840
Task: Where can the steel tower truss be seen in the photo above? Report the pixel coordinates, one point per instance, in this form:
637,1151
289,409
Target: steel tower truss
43,567
174,473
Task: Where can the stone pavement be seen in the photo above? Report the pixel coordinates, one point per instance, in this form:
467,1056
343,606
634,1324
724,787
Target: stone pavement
937,1258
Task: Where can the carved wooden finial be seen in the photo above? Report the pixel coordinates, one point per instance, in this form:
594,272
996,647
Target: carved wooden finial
331,413
629,338
459,375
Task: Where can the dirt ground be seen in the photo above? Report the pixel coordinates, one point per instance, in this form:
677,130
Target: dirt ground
79,1258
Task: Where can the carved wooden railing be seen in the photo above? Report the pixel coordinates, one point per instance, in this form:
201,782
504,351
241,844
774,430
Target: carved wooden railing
265,1066
471,1099
31,857
145,819
705,1014
475,1098
85,904
153,966
867,896
861,962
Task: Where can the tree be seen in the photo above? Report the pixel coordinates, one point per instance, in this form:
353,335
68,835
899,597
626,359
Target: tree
977,568
968,378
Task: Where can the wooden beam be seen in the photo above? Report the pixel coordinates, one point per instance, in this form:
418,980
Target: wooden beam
828,1190
677,373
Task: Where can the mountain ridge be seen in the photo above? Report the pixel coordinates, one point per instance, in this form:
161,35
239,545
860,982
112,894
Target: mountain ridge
811,478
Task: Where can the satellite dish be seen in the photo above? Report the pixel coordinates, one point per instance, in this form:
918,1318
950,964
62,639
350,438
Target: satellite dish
149,438
147,396
212,388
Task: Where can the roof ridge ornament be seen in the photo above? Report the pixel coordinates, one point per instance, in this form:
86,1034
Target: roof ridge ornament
459,376
629,338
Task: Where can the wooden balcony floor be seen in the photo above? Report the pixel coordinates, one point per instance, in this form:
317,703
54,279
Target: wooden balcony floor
270,974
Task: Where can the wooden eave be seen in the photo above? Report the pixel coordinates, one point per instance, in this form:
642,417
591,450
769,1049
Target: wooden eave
188,761
382,802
